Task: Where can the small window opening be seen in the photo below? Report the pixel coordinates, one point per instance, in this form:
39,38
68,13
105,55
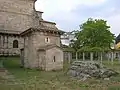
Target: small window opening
54,60
116,55
47,39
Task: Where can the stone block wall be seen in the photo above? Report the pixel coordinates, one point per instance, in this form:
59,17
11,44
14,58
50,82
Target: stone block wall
33,58
30,56
39,39
51,54
6,45
16,14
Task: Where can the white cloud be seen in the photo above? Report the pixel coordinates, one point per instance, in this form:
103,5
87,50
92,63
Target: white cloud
56,10
113,18
54,6
60,12
114,23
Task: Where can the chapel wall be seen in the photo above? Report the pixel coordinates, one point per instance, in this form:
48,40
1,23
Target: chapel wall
40,39
52,64
30,56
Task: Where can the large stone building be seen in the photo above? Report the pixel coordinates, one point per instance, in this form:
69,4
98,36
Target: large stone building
15,17
23,31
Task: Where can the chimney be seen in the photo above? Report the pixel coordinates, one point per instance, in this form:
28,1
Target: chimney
39,13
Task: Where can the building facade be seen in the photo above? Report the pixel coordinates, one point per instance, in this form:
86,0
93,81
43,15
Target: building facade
42,49
24,32
15,16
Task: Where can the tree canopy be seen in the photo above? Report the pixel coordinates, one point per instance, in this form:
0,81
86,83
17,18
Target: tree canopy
94,34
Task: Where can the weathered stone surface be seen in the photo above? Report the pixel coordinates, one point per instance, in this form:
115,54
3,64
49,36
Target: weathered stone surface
41,57
16,14
6,45
20,16
87,69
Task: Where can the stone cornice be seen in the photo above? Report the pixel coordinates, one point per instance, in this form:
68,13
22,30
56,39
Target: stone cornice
41,30
9,32
47,22
16,12
28,0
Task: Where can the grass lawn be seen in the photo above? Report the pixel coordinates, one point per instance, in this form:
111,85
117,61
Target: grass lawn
26,79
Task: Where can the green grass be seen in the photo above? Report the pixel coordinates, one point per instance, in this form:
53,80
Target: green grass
27,79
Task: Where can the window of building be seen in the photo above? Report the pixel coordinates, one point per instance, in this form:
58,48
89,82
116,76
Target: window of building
15,44
54,59
0,41
117,55
47,40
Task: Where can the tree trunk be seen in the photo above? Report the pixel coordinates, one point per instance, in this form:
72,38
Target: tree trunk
83,56
91,56
76,56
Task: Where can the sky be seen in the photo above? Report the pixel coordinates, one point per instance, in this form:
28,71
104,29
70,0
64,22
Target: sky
69,14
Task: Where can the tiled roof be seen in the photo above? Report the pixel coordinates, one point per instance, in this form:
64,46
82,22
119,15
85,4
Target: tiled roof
39,29
117,39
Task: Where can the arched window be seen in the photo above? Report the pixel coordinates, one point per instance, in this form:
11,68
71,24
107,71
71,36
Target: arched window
15,44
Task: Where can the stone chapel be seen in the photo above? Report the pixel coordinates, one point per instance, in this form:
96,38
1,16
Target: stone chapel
24,32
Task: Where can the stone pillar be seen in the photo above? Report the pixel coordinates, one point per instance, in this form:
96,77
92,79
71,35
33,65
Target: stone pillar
69,57
119,56
112,57
91,56
3,46
108,56
83,56
76,56
98,57
1,41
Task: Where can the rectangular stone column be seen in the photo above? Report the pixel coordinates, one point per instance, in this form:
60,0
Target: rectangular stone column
112,57
91,56
83,56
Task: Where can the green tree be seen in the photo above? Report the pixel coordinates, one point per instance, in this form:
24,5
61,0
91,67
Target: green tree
94,35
